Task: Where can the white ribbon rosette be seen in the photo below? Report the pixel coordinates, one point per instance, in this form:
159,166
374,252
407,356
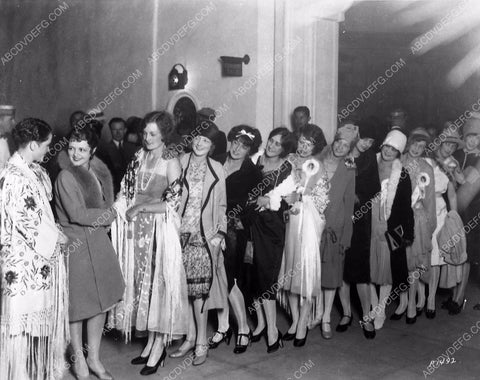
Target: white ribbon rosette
310,168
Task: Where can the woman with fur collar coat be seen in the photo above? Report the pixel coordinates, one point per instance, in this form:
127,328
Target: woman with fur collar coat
83,200
392,226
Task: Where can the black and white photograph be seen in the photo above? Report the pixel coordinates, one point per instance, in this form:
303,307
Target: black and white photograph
239,189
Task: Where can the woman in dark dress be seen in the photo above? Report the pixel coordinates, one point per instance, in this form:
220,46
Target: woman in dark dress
241,177
268,234
357,257
392,226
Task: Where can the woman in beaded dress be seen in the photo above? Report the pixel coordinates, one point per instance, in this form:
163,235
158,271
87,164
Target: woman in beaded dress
146,238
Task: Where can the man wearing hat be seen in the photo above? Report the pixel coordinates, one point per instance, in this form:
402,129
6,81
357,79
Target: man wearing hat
7,121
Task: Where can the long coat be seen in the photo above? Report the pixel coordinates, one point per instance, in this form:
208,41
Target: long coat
95,279
213,220
367,186
338,229
239,186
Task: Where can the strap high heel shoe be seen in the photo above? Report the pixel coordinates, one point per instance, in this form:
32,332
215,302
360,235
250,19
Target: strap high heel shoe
147,370
226,336
241,348
181,352
275,346
369,334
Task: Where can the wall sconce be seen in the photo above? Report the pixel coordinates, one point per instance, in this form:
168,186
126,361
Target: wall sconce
177,79
232,66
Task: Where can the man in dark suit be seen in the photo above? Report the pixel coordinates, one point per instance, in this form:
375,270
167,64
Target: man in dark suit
117,153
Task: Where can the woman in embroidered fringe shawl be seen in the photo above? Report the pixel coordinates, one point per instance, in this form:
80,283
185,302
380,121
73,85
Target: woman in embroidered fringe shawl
83,201
34,299
392,226
301,258
146,238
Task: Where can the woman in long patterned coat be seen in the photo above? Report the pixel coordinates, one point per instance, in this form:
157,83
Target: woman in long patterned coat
34,297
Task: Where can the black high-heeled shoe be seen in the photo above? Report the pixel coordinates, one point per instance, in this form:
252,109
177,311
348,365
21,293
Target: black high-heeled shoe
241,348
147,370
368,334
397,317
139,360
275,346
430,314
256,338
289,336
411,321
419,311
226,336
344,327
300,342
455,308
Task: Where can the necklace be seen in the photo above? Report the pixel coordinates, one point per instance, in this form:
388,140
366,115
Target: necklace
143,185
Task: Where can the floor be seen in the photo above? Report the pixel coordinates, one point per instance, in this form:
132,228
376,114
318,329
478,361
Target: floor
399,351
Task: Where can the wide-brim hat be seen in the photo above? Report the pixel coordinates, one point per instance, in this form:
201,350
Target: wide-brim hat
396,139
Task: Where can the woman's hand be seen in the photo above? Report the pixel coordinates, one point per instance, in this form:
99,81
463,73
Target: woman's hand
294,211
291,198
262,202
132,213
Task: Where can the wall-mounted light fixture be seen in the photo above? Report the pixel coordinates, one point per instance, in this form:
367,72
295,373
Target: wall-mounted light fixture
232,66
177,79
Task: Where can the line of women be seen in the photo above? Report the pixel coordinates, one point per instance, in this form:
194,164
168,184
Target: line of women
194,233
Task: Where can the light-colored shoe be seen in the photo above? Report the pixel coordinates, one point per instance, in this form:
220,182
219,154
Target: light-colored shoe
201,353
327,330
379,321
314,323
184,349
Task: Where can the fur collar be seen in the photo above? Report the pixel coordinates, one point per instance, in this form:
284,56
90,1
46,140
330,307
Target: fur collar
91,193
389,187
